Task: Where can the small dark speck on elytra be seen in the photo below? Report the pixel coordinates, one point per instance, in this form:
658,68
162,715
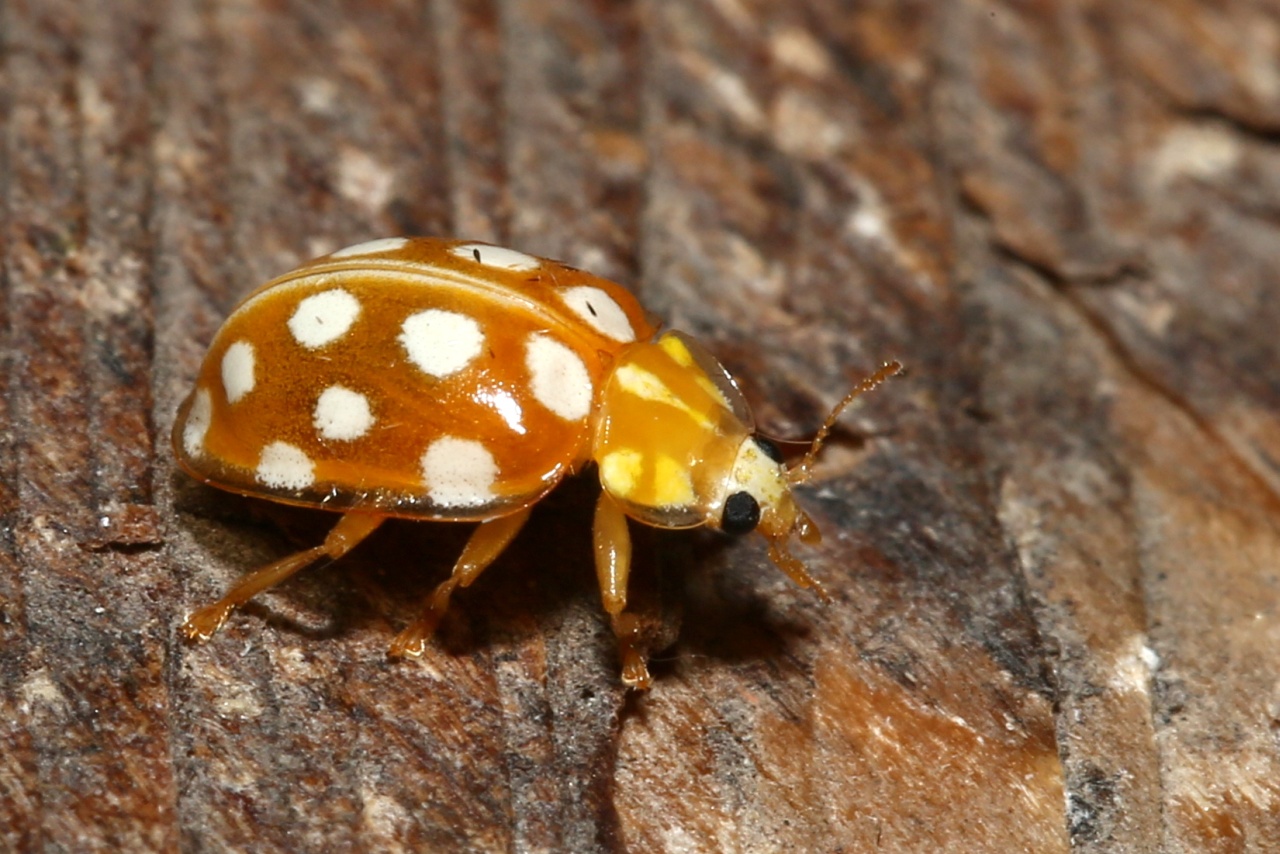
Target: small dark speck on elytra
592,309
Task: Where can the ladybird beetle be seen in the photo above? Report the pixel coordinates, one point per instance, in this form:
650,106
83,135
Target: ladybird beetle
459,381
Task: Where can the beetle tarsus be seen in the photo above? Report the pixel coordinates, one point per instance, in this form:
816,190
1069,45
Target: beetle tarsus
412,642
635,666
204,623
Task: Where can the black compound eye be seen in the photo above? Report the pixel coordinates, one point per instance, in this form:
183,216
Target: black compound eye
770,450
741,514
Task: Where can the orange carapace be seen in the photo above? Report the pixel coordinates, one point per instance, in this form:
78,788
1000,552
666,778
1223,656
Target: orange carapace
457,381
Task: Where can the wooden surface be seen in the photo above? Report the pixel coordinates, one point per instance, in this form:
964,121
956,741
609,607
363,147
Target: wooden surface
1054,548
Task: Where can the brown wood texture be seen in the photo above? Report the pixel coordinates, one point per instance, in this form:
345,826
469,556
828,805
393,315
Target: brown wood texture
1054,548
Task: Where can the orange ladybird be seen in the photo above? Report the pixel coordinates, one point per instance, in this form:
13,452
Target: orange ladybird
458,381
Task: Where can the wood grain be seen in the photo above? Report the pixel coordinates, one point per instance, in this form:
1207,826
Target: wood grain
1054,547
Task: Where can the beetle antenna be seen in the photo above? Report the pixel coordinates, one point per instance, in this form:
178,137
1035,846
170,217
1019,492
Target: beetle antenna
803,470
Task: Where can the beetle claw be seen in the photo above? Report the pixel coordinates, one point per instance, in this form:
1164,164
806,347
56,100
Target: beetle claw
635,672
412,642
204,623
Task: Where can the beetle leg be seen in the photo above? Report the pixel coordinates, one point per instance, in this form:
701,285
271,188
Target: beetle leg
612,542
351,529
486,543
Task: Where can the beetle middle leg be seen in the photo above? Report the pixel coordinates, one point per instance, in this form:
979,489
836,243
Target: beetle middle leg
487,541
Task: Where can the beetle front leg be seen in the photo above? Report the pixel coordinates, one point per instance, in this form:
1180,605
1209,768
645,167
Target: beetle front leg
487,541
612,543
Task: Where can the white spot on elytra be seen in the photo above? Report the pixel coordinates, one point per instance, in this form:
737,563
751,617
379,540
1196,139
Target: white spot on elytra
600,311
342,414
372,247
323,317
558,378
285,466
441,342
237,370
459,472
198,418
496,256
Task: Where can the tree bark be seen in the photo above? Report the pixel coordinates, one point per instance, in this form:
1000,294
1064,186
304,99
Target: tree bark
1053,547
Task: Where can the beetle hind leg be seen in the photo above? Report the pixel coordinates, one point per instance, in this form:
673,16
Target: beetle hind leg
487,541
350,530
